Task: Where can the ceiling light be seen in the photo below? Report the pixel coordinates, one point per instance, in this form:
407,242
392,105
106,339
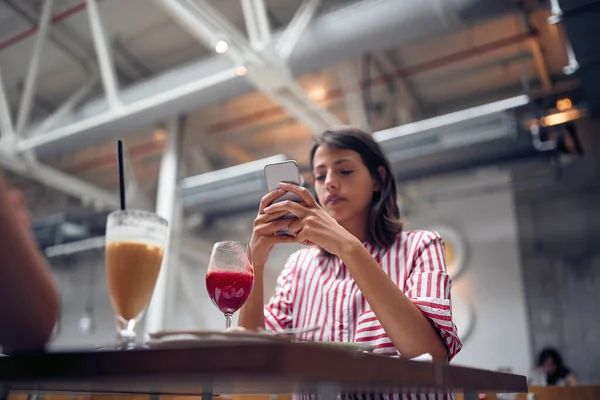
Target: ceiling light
160,135
221,47
318,94
241,70
561,117
564,104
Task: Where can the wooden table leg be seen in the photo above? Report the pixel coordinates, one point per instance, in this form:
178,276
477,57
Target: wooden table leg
207,392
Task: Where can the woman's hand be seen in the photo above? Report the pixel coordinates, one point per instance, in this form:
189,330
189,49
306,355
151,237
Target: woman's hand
265,227
314,225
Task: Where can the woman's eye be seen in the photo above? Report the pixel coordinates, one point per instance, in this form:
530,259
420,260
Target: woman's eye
319,178
346,172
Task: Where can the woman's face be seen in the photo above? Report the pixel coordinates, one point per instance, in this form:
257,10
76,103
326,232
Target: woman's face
343,184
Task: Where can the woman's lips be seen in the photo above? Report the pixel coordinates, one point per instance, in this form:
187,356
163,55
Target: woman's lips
334,200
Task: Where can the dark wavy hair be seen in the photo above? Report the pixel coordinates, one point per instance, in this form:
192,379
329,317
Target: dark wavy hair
383,224
553,354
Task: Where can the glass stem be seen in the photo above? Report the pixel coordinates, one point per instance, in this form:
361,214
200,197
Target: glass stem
126,335
227,321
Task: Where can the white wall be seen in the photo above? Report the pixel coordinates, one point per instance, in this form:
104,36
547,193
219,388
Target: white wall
481,209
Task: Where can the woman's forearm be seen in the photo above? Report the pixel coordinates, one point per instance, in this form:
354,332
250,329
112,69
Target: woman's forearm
252,315
409,330
28,295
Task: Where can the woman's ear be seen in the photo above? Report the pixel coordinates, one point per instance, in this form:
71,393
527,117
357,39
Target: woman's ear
382,174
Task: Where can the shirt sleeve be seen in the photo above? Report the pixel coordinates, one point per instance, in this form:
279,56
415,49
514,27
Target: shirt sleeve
278,311
429,289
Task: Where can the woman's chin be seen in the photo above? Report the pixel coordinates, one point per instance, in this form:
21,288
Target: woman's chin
339,215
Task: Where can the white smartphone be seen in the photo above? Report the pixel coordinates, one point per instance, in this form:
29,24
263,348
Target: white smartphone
284,171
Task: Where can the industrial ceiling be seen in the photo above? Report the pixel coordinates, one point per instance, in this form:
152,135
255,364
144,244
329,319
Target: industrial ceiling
124,69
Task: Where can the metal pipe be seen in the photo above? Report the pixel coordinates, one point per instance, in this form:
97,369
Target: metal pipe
103,52
556,12
573,64
32,72
452,118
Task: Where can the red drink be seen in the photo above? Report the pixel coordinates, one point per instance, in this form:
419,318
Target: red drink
229,290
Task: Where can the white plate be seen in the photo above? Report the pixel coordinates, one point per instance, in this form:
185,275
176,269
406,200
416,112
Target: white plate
173,339
366,348
188,339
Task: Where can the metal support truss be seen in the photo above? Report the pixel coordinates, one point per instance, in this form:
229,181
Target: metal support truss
6,124
257,23
26,165
103,53
266,70
32,72
59,180
297,26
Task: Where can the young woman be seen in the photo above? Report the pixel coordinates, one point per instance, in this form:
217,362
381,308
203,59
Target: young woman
361,278
552,366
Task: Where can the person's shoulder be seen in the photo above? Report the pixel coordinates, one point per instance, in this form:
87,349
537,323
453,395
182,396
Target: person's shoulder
418,237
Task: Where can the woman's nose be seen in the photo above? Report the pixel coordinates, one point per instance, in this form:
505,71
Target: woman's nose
330,180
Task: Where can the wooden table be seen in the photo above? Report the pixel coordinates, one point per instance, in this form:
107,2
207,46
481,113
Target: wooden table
237,367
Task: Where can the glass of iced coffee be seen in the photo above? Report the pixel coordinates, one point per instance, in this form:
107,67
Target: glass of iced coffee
135,242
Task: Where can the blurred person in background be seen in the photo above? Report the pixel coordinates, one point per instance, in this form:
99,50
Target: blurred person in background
362,279
553,369
28,295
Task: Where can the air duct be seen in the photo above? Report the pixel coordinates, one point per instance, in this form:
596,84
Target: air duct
227,189
343,34
476,137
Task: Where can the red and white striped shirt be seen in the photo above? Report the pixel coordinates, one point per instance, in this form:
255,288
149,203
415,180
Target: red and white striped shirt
314,290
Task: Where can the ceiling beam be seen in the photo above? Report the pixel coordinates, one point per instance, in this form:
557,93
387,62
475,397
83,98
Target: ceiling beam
31,80
68,106
257,23
355,106
130,109
296,28
408,104
59,180
6,123
265,69
104,56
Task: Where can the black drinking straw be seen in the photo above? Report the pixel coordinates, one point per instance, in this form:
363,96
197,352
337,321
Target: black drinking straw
121,175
